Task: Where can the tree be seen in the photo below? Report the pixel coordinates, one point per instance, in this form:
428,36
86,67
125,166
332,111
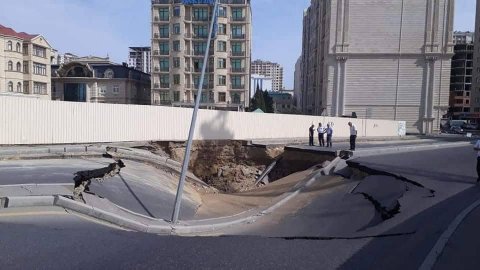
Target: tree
268,102
257,101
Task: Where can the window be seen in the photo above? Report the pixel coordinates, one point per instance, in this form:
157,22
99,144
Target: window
237,31
10,66
222,46
200,14
176,29
222,63
164,64
222,97
200,31
165,81
10,86
176,79
109,74
102,90
236,98
163,30
176,96
116,89
222,12
25,87
9,46
222,29
236,64
39,69
39,51
39,88
222,80
176,11
176,62
163,13
164,48
237,82
19,47
19,87
164,96
237,47
199,47
237,14
198,64
25,49
19,67
176,45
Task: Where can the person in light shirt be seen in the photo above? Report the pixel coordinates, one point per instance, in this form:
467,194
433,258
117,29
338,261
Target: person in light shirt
329,132
321,135
477,148
353,135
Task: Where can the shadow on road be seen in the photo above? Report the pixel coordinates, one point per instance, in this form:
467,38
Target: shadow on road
135,196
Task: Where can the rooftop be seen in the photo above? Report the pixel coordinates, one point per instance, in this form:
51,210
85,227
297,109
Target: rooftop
5,31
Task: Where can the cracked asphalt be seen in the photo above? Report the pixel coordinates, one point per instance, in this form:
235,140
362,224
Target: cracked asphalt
326,227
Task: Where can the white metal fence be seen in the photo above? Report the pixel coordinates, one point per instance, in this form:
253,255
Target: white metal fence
29,121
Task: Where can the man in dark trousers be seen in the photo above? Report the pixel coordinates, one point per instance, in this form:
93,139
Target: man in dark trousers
321,134
353,135
311,133
329,132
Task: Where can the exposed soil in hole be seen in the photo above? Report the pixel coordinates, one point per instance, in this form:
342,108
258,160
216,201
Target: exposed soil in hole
234,166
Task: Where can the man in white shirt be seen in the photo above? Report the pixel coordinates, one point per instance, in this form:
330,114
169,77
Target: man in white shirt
353,135
477,148
321,134
329,132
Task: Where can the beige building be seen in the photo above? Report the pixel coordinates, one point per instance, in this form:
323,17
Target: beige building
269,70
24,64
179,39
379,59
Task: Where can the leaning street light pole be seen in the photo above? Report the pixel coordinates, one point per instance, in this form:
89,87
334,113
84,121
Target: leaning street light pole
186,160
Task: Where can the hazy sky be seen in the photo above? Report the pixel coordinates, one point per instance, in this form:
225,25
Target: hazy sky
101,27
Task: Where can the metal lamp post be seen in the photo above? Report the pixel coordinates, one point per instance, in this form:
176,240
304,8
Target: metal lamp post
186,160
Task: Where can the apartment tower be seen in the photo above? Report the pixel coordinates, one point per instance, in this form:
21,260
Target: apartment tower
475,94
379,59
269,70
180,31
140,58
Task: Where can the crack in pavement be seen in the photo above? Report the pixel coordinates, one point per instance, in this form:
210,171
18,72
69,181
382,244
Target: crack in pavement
83,179
329,238
384,212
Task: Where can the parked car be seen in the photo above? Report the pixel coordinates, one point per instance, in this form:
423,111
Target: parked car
457,130
470,127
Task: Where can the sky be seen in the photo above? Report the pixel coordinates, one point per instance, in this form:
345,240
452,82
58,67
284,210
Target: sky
109,27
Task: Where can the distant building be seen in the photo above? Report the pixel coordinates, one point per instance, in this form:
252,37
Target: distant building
260,82
380,59
97,80
140,58
461,82
283,102
269,70
59,59
475,93
463,37
297,88
25,63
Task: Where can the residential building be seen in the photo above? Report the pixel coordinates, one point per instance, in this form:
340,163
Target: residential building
297,88
24,64
269,70
97,80
475,93
140,58
461,82
260,82
180,32
463,37
379,59
283,102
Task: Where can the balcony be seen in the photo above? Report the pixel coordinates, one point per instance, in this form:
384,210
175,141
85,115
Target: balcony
238,19
237,36
237,86
164,85
200,19
238,54
237,70
160,19
160,2
164,52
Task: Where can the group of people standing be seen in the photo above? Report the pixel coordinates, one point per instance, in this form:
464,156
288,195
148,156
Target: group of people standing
328,131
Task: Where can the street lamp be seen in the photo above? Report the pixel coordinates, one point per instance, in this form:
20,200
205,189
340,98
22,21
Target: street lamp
186,160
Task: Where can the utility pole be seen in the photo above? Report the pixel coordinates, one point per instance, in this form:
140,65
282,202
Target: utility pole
186,160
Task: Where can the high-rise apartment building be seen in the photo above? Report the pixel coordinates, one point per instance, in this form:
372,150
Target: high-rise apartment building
140,58
179,40
461,77
297,88
59,59
379,59
269,70
475,93
25,63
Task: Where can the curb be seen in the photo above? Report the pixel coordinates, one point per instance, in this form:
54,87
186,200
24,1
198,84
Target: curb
399,149
27,201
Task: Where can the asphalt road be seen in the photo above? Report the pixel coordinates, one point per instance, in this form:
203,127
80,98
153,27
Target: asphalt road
399,243
139,187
